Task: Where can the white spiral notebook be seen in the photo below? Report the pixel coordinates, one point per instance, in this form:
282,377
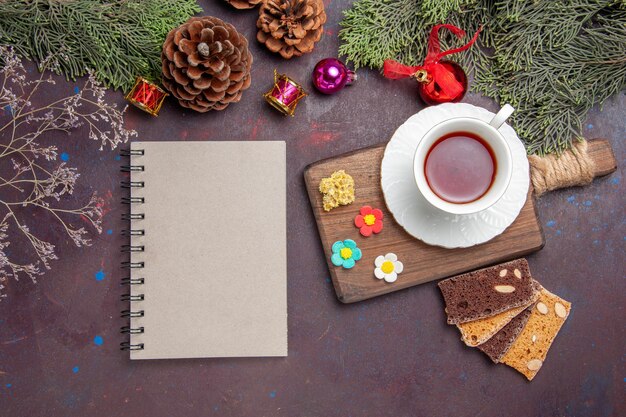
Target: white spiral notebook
208,274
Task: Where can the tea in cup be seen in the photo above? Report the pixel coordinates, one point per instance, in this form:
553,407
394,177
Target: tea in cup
464,165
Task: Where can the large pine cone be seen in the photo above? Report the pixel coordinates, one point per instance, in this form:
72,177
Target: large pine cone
243,4
206,64
290,27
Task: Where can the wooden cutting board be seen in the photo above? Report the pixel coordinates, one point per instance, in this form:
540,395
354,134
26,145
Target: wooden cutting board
422,262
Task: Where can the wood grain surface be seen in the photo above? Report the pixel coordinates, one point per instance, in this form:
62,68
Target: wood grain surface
602,154
422,262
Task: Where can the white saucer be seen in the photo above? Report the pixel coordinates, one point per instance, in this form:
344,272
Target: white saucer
416,215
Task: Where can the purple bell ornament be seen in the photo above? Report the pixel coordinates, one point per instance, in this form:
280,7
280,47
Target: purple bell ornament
331,75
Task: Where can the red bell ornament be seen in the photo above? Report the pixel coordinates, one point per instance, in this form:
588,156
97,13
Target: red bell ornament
440,80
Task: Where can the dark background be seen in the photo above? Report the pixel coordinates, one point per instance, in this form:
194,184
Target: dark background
390,356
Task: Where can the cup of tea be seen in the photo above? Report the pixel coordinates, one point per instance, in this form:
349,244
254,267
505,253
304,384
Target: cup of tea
464,165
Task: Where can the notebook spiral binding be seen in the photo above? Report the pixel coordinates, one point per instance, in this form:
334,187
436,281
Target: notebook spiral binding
130,232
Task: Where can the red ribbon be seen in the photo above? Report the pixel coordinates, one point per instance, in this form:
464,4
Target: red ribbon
446,80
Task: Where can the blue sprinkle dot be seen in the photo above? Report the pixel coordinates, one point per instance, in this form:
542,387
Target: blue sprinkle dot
551,223
75,369
8,109
76,90
615,180
117,157
9,385
273,394
589,126
588,203
624,379
571,199
327,279
65,157
98,340
110,232
100,275
558,232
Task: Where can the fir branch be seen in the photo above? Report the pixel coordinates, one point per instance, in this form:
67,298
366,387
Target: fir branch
553,61
372,34
434,11
119,39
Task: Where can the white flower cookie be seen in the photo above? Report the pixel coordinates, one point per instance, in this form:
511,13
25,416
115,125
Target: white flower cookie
388,267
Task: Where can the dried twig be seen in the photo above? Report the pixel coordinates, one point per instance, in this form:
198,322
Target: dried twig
35,181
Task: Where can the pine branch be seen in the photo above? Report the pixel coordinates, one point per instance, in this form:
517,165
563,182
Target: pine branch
120,39
435,11
553,60
373,32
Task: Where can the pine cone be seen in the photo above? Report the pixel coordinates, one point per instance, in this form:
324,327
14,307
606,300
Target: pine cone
206,64
290,27
243,4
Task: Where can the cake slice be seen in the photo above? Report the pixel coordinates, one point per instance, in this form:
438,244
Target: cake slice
477,332
529,350
487,292
501,342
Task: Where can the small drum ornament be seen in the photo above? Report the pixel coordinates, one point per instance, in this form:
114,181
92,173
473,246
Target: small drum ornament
285,94
147,96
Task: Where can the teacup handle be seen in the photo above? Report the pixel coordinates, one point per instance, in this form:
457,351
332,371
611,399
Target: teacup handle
504,113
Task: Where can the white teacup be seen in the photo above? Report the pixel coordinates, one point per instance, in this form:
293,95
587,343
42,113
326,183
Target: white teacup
489,133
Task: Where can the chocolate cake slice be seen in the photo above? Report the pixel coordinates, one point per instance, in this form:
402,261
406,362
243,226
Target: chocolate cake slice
499,344
487,292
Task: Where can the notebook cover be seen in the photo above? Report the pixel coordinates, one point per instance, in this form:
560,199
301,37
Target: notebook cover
214,249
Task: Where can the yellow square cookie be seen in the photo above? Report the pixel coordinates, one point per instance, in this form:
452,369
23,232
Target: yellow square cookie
529,351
